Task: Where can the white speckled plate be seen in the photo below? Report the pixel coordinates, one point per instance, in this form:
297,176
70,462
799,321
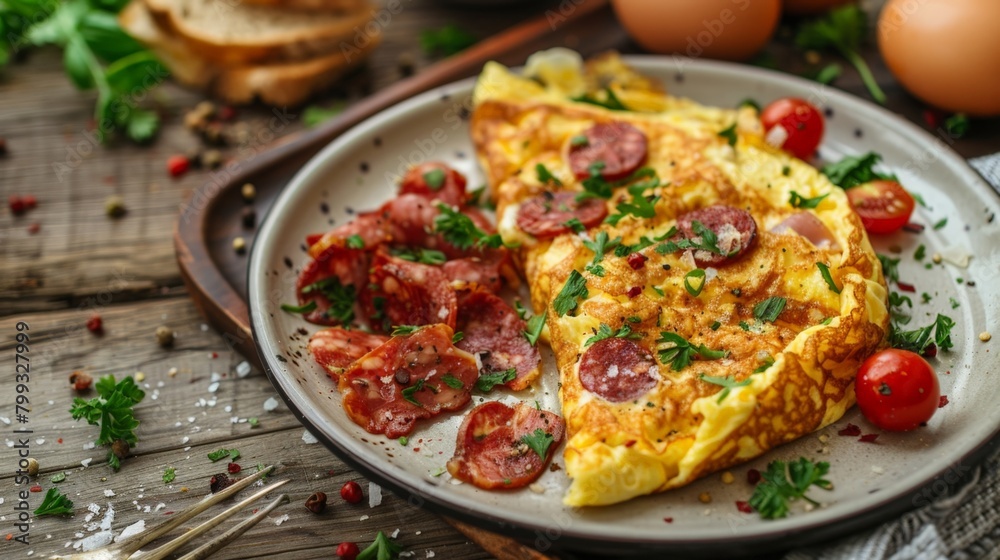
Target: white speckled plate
872,481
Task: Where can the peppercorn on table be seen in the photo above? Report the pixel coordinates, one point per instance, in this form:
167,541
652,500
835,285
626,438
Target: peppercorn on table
89,288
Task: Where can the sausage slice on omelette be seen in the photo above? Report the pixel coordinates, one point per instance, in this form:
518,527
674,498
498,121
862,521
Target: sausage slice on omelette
708,297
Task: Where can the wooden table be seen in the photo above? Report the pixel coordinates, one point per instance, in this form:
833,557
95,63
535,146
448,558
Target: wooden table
82,263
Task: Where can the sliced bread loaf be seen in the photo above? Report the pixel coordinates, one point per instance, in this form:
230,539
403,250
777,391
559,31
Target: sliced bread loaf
231,32
281,84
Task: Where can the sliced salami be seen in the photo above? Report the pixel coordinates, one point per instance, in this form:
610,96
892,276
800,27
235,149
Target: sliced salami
332,282
485,271
499,446
336,348
546,215
621,147
618,370
402,292
492,329
369,228
408,378
434,180
734,229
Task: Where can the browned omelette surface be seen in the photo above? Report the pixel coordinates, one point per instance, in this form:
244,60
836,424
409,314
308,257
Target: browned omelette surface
684,427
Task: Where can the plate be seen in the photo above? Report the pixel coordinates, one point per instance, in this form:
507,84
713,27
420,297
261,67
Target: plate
872,481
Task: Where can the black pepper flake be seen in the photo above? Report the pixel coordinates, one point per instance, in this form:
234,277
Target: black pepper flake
377,141
364,167
828,112
281,358
324,207
248,217
858,133
288,262
679,78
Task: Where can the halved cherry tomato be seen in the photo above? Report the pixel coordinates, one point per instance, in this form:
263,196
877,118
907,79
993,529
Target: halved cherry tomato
897,390
801,126
884,206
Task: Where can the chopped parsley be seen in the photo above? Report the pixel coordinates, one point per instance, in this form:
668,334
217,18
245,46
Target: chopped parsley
940,223
749,102
410,392
595,185
579,141
575,287
419,254
310,306
729,134
896,302
610,101
601,244
54,503
799,201
459,230
640,206
920,253
766,363
546,176
475,195
434,179
852,171
890,268
825,272
575,224
605,332
704,240
522,313
355,242
341,298
699,276
727,383
534,328
954,303
58,477
925,297
457,337
539,441
918,340
487,381
783,484
403,330
403,440
169,475
680,352
222,453
769,309
715,325
452,381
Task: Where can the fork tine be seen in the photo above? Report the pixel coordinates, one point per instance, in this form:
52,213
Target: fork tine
168,548
209,548
140,540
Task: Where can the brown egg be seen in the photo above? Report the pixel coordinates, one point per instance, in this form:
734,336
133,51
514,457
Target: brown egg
946,52
810,7
726,29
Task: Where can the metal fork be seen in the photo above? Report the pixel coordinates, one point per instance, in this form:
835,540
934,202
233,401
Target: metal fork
128,548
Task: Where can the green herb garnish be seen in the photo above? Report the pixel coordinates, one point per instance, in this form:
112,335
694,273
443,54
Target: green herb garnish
54,503
783,484
574,288
852,171
610,100
447,40
680,352
112,411
434,179
452,381
605,332
233,454
699,276
419,254
799,201
487,381
169,475
341,298
534,328
404,330
355,242
768,310
382,548
729,134
842,29
727,383
306,308
410,392
539,441
824,270
546,176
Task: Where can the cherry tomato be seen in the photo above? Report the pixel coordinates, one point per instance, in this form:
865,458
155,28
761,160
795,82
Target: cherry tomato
347,551
802,124
884,206
351,492
897,390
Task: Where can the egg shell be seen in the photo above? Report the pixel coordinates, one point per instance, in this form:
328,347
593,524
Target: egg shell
725,29
946,52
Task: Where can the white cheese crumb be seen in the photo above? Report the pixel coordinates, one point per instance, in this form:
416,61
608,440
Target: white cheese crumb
374,494
133,529
308,438
270,404
280,520
185,439
877,469
86,462
228,408
395,533
97,540
613,371
536,488
108,492
363,517
213,387
430,554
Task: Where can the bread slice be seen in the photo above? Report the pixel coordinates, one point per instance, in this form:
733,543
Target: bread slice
231,32
332,6
280,84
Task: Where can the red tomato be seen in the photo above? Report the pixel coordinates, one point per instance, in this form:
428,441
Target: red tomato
897,390
884,206
802,124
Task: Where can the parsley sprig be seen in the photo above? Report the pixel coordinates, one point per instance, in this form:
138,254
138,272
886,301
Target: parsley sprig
783,484
727,383
534,327
574,288
54,503
679,352
112,411
842,29
641,205
799,201
97,54
459,230
704,240
382,548
419,254
487,381
852,171
341,298
917,340
610,100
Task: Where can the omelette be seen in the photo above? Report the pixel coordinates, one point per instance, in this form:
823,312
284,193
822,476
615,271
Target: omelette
708,297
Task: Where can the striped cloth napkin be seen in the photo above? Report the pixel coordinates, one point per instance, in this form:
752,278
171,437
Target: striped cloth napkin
965,523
